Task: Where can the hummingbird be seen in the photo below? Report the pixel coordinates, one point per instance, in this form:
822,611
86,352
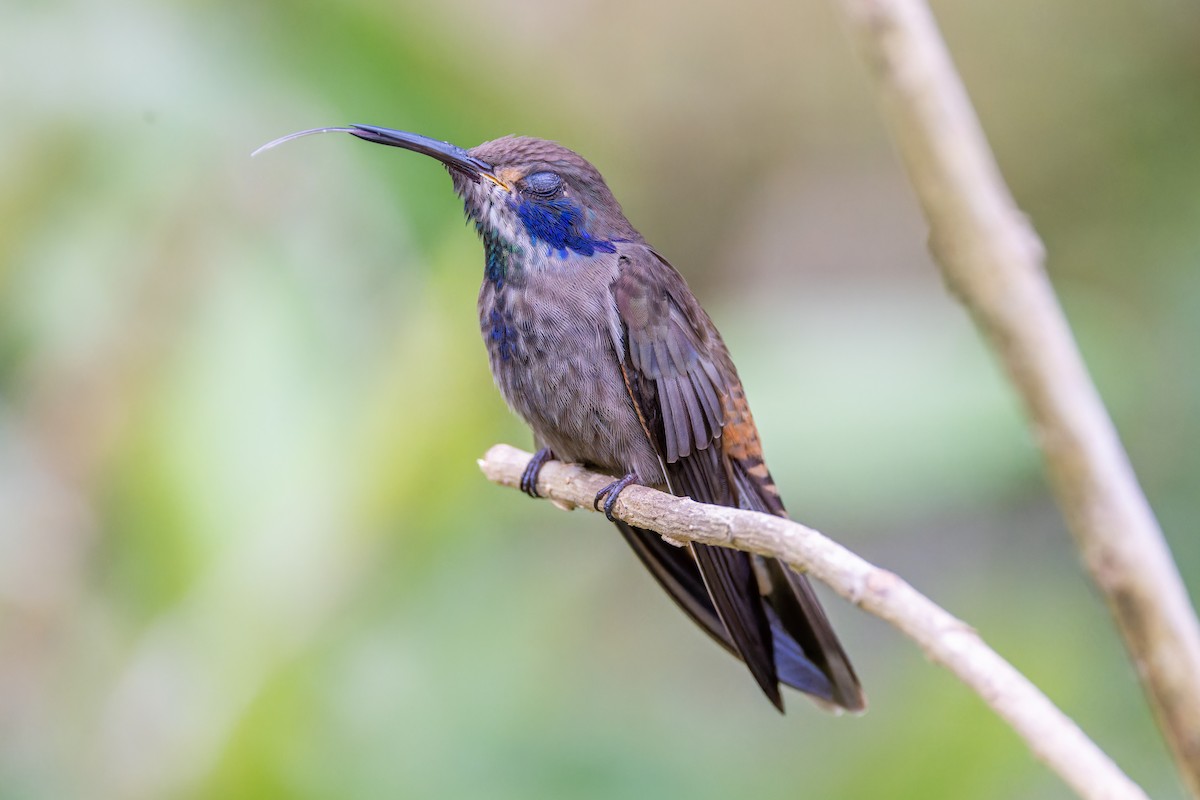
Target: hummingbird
598,344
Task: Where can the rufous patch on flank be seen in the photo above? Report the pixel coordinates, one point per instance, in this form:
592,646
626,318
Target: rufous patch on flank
739,437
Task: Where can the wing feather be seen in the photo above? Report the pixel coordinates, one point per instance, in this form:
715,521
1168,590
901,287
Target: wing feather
686,391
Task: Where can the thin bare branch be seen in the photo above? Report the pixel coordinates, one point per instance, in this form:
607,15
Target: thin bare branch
992,259
1050,735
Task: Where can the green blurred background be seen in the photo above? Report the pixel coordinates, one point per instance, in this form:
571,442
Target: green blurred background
245,550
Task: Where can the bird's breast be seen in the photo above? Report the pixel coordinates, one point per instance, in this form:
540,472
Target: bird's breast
550,341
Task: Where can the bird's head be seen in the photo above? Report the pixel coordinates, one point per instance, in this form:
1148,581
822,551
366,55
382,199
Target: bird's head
526,191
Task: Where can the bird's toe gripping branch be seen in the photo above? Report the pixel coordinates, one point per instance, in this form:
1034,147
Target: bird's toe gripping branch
609,494
529,477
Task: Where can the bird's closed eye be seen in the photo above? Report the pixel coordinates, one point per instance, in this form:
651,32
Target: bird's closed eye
542,184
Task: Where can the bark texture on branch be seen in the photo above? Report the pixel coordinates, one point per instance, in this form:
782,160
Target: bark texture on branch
992,260
1052,737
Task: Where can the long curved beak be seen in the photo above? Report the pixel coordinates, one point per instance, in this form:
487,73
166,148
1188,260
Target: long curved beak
449,154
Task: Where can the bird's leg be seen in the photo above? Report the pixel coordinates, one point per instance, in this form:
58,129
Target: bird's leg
530,475
609,494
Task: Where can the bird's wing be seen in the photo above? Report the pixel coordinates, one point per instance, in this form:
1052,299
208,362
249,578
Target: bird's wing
676,386
688,396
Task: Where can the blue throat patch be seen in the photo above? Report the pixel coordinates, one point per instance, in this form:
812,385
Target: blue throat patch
558,224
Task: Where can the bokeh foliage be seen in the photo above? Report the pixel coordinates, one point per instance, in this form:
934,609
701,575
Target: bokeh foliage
244,549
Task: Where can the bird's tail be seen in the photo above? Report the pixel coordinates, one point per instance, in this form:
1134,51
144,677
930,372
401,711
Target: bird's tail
757,607
807,651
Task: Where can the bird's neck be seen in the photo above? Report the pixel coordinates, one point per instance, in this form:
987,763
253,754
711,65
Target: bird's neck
504,257
530,236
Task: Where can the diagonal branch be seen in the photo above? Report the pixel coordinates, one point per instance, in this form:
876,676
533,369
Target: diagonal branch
991,258
1050,735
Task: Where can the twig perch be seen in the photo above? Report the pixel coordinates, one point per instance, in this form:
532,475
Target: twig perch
1051,735
991,258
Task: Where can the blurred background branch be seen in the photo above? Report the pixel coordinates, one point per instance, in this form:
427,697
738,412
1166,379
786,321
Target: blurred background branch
992,260
1050,735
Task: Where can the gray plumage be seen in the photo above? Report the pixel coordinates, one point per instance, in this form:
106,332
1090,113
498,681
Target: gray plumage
605,353
599,345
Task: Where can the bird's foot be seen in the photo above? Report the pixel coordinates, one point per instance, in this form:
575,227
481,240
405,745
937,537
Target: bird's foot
609,494
532,469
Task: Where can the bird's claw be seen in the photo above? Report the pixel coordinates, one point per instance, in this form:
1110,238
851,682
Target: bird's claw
530,476
609,494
